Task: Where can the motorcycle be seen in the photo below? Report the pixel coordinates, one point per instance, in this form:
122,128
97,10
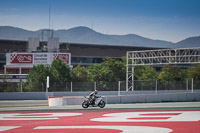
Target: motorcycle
98,102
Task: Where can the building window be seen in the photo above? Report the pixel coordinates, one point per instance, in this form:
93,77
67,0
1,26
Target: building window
3,57
86,60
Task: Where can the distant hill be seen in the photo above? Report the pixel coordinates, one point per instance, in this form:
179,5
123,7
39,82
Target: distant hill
13,33
85,35
188,42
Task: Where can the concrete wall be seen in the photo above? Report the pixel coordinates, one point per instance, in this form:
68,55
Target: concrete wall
148,98
138,98
44,95
25,95
110,97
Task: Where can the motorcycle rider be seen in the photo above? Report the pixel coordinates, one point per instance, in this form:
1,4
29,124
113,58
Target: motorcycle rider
93,100
92,96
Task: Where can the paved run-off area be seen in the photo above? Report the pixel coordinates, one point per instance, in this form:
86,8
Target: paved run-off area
127,118
102,121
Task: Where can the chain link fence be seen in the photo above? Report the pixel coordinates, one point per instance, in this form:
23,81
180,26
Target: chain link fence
166,86
142,86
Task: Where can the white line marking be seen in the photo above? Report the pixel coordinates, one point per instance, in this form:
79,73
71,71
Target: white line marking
124,129
35,116
5,128
129,116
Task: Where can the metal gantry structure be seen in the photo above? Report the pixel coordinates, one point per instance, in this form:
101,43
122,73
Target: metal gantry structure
158,57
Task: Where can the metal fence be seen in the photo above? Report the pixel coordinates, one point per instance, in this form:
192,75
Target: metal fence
166,86
142,86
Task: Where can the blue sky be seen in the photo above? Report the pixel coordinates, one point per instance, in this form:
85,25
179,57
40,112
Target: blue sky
171,20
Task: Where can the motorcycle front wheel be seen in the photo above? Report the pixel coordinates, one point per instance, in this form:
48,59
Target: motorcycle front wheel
85,104
102,104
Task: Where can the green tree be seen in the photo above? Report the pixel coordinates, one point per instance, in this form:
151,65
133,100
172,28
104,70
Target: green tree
183,74
118,68
170,73
94,72
80,74
59,74
111,70
145,73
37,78
194,72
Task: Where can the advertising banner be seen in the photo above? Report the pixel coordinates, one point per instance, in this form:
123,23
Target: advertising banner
64,57
21,58
42,58
36,58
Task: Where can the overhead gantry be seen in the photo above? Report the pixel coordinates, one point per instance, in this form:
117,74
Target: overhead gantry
158,57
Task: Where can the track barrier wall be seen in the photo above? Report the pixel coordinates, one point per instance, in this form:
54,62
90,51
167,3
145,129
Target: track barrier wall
137,98
115,92
76,98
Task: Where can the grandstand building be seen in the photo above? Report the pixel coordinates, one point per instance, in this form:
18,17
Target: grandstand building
73,53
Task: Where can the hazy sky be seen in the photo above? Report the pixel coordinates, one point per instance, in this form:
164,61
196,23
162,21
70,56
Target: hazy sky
171,20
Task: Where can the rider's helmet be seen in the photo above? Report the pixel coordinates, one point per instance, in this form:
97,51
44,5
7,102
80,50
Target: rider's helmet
96,91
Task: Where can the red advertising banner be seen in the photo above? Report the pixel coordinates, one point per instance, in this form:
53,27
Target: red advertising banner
63,57
36,58
21,58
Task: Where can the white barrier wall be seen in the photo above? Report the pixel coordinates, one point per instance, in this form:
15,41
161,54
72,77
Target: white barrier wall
147,98
62,101
76,98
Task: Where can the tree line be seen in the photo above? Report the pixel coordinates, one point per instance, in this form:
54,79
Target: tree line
111,70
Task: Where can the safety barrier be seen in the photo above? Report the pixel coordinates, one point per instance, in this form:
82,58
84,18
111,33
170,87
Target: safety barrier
137,98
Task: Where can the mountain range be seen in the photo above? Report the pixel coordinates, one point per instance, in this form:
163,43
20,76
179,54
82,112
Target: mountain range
86,35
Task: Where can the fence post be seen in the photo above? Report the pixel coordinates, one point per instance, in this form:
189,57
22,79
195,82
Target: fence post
95,85
119,88
47,85
192,85
71,86
156,92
